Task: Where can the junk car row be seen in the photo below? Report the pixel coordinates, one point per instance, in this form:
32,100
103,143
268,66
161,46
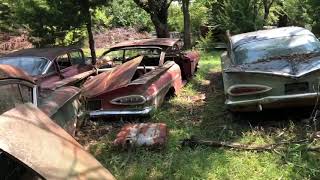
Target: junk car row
45,94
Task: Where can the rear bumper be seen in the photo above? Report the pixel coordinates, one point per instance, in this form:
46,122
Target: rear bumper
125,112
273,102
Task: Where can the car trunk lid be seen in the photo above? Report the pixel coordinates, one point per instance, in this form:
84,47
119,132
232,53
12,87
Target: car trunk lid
292,66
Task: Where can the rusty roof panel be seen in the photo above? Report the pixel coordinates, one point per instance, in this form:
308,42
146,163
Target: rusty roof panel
146,42
143,134
33,138
118,77
49,53
7,71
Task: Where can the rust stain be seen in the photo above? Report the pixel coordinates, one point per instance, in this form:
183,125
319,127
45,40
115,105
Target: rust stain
118,77
143,134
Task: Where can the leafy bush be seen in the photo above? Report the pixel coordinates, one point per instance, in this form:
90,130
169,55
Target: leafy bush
198,16
122,13
236,16
206,43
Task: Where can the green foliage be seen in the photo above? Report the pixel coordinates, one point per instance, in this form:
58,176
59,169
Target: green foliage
125,13
297,12
206,43
50,21
198,15
175,20
313,10
5,16
102,17
236,16
122,13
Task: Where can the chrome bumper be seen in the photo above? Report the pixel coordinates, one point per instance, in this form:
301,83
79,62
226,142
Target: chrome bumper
138,112
273,101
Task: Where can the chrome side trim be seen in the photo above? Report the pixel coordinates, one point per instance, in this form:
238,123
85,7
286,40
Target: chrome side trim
144,111
265,89
271,99
35,95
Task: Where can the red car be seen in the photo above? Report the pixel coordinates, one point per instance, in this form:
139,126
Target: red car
144,73
51,68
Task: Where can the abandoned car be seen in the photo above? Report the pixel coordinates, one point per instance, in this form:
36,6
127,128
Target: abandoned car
33,146
271,69
63,104
144,73
52,68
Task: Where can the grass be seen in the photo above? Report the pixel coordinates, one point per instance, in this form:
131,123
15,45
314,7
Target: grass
187,116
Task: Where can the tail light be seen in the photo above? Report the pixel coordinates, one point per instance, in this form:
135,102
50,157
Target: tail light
129,100
247,89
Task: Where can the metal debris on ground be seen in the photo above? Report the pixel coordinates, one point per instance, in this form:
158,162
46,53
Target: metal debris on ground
142,134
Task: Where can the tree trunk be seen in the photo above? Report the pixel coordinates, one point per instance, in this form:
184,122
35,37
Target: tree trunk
266,14
186,24
161,26
267,5
86,11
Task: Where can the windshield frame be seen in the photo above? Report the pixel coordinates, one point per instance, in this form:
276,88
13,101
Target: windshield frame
29,84
161,55
44,70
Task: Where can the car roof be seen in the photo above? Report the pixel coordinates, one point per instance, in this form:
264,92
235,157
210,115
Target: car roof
167,42
48,53
244,38
11,72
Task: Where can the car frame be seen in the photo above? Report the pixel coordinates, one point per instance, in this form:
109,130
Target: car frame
159,71
270,69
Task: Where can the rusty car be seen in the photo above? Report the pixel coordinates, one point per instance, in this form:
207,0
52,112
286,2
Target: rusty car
139,76
33,146
63,104
268,69
52,67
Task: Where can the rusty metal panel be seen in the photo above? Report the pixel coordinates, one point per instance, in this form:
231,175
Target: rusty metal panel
34,139
57,98
62,106
143,134
153,74
68,81
7,71
146,42
49,53
118,77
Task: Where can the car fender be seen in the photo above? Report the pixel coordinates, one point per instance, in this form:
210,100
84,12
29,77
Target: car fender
30,136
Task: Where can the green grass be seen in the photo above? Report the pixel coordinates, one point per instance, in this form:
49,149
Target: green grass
210,120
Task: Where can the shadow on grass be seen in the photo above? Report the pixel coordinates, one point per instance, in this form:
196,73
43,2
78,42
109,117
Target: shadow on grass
189,114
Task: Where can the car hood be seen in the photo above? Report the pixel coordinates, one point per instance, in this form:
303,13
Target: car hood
117,77
30,136
296,67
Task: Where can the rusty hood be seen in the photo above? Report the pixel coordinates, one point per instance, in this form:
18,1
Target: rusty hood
117,77
291,66
33,138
